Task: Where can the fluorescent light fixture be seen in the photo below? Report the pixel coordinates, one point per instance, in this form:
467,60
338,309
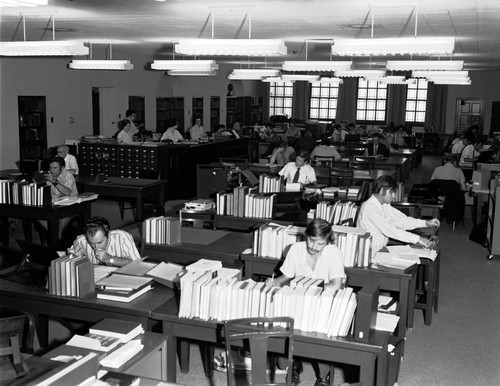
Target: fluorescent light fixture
294,77
432,65
457,82
305,65
360,73
253,73
391,79
43,48
192,72
236,47
440,74
328,80
394,46
275,79
22,3
120,65
185,65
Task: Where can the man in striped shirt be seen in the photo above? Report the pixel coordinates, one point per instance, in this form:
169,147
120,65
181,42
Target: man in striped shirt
383,221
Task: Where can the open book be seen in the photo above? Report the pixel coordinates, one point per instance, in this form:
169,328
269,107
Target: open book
70,200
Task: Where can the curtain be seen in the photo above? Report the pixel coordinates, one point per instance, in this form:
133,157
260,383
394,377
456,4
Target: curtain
265,101
346,107
396,103
300,100
435,113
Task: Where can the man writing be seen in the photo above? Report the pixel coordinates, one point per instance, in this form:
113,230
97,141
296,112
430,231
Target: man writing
383,221
104,246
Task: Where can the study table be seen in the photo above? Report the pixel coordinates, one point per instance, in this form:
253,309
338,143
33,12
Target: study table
137,189
43,305
371,357
402,283
52,214
197,243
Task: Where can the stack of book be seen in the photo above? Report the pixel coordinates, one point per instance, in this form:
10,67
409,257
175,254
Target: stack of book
242,202
355,244
71,276
162,230
330,192
338,212
124,330
25,193
270,240
312,308
123,288
271,184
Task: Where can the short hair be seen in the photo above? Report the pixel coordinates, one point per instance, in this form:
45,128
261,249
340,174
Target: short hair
469,137
378,135
95,224
385,183
325,142
450,157
304,154
320,228
64,147
59,160
129,112
282,144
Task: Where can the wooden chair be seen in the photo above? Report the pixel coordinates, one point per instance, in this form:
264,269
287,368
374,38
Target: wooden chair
323,175
324,161
157,208
341,177
364,163
258,335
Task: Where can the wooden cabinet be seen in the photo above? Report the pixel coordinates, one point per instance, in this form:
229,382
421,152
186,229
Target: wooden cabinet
32,127
169,111
197,110
136,103
493,225
239,108
215,113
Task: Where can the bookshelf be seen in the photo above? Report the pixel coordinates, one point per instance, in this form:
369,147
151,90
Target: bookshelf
168,109
215,113
238,108
137,104
32,126
257,109
197,109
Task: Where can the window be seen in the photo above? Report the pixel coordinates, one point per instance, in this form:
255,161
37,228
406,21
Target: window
372,100
416,100
280,98
324,98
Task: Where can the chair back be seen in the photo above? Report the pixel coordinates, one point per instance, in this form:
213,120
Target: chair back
324,160
258,336
322,174
365,163
341,177
454,205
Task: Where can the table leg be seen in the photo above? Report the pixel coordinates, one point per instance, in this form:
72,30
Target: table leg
184,352
139,201
28,236
170,352
53,232
429,296
42,329
403,304
207,357
4,226
411,299
437,265
367,370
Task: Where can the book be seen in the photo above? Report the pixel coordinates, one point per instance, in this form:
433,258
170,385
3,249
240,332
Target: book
123,283
70,200
121,355
123,298
167,274
122,329
135,268
94,342
120,379
72,373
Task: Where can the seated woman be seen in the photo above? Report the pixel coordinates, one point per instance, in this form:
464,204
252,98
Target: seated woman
316,258
124,136
172,134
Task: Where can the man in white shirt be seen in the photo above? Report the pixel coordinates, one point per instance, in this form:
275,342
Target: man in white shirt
469,153
299,171
197,131
70,160
449,171
130,116
383,221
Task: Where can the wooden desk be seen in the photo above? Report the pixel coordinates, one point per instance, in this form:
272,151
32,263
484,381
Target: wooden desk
51,214
404,284
198,244
399,165
370,357
151,361
137,189
39,302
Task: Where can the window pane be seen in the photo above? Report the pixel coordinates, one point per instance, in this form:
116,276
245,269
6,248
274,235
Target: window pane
288,103
323,103
382,94
370,115
410,105
314,92
360,115
361,104
370,105
380,116
420,117
313,114
372,93
314,103
421,106
362,93
411,94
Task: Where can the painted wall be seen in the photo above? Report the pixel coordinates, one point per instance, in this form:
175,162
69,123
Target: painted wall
68,95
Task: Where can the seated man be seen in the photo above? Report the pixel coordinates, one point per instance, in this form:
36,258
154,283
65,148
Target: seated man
71,165
470,152
282,154
104,246
377,147
383,221
324,149
449,171
300,170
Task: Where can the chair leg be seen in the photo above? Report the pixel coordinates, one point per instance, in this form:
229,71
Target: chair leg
121,205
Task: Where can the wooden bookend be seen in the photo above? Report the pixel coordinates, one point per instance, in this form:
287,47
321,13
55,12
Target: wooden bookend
366,312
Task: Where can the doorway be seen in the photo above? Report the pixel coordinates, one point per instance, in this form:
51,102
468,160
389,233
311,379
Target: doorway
469,112
495,118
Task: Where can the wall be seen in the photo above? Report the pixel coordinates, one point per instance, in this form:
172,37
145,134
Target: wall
485,85
68,95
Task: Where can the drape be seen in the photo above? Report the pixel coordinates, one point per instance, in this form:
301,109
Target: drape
300,100
435,113
265,101
346,107
396,103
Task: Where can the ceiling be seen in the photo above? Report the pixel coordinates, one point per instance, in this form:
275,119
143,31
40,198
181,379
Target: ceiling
150,27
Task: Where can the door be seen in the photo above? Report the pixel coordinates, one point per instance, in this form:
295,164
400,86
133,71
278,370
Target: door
469,112
495,118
